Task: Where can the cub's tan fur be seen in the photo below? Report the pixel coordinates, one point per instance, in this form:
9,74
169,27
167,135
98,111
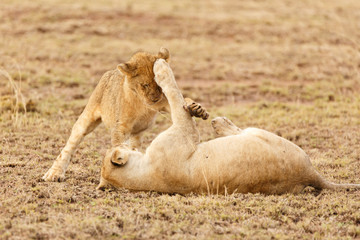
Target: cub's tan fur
250,160
126,100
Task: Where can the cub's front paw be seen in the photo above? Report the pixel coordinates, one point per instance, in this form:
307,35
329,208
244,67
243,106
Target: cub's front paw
54,175
195,109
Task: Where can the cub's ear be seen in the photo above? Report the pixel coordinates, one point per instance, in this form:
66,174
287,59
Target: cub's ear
164,54
126,68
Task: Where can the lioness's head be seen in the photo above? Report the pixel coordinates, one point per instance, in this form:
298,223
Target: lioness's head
140,76
115,164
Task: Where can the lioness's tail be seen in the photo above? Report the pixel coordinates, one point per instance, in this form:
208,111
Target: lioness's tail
320,182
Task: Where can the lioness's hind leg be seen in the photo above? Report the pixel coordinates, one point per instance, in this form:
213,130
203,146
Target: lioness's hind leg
86,123
224,127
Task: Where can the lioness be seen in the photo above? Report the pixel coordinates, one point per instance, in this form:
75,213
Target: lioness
251,160
126,100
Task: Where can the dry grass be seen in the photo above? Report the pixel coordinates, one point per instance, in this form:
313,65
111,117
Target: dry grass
15,102
291,67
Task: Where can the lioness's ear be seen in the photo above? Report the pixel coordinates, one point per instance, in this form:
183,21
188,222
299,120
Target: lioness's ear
126,68
164,54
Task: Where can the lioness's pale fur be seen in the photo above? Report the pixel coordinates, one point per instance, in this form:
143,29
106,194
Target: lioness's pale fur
250,160
126,100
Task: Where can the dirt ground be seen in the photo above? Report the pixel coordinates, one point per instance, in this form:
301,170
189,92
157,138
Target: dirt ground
290,67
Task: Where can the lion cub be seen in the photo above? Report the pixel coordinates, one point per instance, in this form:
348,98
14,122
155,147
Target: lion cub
126,100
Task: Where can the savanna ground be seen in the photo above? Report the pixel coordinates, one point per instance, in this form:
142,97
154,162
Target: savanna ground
290,67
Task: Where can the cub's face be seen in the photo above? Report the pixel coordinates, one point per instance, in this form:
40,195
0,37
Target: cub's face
140,76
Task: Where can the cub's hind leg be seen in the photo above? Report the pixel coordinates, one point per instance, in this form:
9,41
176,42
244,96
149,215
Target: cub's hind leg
85,124
224,127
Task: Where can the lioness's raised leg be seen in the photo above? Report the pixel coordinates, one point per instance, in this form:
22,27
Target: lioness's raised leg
183,131
224,127
164,77
85,124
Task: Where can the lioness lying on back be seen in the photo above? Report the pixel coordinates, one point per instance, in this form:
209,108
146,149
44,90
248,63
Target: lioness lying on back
126,100
250,160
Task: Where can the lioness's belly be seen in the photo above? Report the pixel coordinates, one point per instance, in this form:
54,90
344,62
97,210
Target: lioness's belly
254,161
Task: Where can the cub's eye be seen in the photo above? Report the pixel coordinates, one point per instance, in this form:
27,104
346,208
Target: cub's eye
145,85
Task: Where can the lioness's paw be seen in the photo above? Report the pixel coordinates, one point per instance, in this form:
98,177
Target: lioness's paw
54,175
163,72
161,66
195,109
224,127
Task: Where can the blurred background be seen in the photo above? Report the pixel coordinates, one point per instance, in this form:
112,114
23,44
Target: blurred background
275,50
